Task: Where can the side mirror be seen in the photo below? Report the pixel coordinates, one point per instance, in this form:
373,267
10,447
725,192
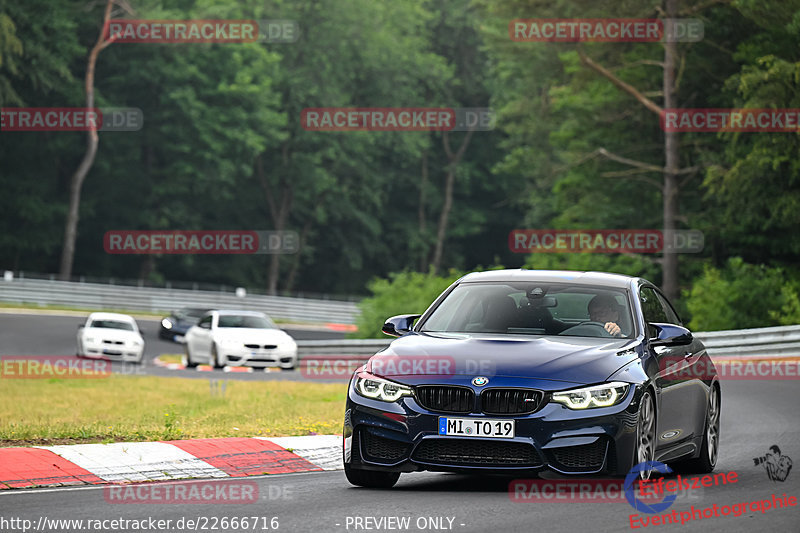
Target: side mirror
399,325
669,335
205,325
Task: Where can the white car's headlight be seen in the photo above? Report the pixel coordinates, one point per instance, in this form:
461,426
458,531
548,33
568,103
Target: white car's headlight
136,343
375,388
167,323
604,395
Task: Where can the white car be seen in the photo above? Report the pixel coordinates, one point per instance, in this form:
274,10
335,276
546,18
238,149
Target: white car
111,336
239,338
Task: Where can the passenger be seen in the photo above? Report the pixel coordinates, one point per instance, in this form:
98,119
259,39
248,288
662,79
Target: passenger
604,308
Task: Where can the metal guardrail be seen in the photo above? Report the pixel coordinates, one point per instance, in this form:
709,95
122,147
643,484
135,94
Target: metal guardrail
105,296
782,341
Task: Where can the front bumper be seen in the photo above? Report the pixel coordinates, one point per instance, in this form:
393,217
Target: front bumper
259,357
112,351
404,437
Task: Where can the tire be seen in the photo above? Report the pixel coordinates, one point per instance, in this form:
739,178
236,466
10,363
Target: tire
189,362
215,362
645,434
709,451
370,478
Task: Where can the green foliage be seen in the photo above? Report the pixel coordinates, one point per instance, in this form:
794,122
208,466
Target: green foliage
741,296
214,112
402,293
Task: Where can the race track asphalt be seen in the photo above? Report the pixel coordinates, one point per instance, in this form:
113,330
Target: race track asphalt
32,334
756,414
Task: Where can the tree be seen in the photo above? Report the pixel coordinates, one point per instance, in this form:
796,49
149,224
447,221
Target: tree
92,140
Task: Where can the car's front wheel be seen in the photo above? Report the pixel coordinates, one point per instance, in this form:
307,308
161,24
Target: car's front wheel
190,363
645,434
371,478
709,451
215,359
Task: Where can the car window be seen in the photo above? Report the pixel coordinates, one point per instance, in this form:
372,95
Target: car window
672,316
112,324
652,307
245,321
528,308
192,313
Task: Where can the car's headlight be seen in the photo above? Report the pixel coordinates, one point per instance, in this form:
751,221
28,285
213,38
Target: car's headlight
136,343
88,339
376,388
604,395
167,323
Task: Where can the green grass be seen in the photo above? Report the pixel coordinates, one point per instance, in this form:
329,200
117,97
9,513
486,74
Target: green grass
171,358
146,408
143,314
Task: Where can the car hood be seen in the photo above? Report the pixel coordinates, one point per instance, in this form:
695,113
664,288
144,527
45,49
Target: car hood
111,334
253,335
578,360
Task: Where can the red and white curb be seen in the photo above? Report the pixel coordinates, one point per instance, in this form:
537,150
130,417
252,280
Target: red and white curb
208,368
131,462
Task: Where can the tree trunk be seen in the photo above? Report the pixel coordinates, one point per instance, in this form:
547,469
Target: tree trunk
423,261
76,182
453,160
669,282
279,212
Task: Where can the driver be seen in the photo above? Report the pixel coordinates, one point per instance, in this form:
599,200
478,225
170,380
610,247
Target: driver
604,308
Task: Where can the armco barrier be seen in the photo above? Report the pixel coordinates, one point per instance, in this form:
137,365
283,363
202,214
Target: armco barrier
105,296
783,341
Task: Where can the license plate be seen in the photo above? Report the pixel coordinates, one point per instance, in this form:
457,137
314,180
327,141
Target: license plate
477,427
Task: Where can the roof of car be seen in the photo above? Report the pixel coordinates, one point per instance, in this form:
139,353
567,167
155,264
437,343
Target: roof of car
552,276
238,312
111,316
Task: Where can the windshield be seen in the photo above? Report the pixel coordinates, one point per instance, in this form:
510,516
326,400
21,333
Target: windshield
533,309
189,312
245,321
112,324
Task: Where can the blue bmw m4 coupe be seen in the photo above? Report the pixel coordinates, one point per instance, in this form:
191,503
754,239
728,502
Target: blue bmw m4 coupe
520,371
